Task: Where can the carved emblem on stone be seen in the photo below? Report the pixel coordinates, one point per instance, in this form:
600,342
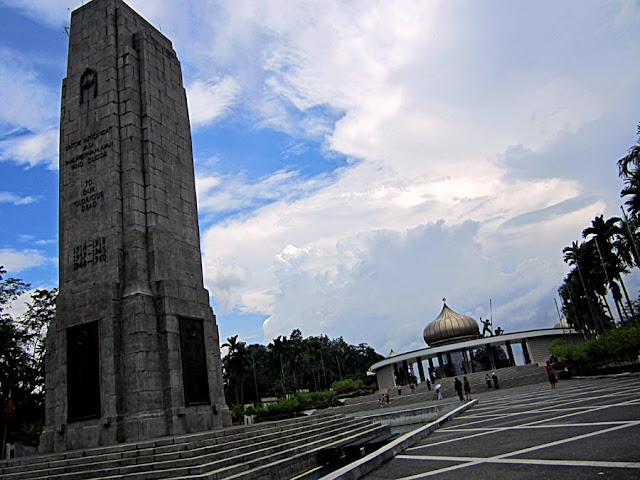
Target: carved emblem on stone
88,79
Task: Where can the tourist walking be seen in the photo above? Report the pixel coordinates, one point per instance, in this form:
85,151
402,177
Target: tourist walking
467,388
495,380
399,387
551,374
457,384
488,380
438,392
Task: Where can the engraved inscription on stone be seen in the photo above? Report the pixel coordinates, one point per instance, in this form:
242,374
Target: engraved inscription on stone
194,362
90,253
91,197
90,149
83,372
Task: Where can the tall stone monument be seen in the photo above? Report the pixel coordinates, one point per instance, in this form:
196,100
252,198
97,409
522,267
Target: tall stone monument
134,350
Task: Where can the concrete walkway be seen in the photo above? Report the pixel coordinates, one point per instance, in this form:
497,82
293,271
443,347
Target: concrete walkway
585,428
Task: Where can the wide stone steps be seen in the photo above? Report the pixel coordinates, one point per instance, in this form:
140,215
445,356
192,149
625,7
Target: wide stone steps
508,377
259,451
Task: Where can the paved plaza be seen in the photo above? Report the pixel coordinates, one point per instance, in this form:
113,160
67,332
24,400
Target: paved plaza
585,428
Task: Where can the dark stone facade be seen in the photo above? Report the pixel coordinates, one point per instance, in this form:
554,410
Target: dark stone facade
131,283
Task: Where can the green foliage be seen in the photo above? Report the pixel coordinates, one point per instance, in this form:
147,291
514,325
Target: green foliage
289,365
237,412
615,346
22,357
234,366
287,407
347,386
610,250
29,432
324,399
570,355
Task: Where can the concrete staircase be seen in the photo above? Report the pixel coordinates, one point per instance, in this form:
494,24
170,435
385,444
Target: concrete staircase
270,450
507,378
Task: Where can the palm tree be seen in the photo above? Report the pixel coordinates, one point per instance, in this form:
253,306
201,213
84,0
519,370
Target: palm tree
317,347
631,161
628,242
629,171
278,348
605,234
574,315
296,354
579,255
236,363
632,191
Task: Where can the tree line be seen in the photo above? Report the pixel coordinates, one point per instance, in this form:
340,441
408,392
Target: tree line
291,365
606,253
22,360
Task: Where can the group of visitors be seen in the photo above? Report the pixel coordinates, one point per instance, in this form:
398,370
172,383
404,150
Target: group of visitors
384,399
458,386
493,378
465,386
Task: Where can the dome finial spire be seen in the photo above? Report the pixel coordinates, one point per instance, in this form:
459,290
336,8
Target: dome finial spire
444,300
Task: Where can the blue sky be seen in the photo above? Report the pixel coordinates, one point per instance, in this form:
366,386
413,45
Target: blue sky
358,161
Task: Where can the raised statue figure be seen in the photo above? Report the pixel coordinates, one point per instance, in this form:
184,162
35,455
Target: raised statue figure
486,327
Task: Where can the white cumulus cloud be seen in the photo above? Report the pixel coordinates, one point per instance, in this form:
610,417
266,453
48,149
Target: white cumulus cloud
209,101
15,261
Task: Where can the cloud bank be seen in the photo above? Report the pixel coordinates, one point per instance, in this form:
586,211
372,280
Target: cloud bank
470,142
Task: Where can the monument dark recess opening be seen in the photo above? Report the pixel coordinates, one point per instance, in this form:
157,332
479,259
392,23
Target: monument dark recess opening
83,372
194,362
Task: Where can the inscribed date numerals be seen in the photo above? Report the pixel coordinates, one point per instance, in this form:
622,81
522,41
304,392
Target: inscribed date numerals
90,253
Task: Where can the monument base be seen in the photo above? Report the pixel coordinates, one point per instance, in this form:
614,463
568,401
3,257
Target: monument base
135,428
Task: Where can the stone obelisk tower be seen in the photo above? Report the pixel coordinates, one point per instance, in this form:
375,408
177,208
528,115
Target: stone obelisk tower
134,350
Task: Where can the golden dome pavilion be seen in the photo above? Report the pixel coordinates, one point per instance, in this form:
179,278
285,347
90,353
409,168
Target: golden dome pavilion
450,327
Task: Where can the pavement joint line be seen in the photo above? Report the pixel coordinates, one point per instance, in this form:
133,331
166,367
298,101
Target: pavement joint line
525,461
502,429
519,427
566,392
487,418
589,410
581,400
553,408
518,452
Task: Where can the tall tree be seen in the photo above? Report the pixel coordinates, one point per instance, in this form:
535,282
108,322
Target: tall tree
629,171
22,357
604,234
592,280
628,242
278,349
235,363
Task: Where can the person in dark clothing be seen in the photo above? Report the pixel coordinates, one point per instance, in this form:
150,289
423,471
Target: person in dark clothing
551,374
495,380
467,388
488,380
457,384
